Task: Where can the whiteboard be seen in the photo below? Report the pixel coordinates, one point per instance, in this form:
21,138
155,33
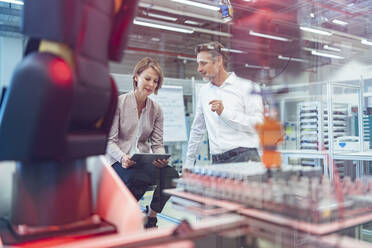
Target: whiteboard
170,99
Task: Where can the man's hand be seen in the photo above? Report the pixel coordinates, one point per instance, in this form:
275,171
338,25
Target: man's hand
126,162
160,163
217,106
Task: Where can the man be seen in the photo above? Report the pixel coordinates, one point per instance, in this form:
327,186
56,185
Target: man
227,109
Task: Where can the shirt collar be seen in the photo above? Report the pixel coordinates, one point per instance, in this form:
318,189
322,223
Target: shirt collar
229,80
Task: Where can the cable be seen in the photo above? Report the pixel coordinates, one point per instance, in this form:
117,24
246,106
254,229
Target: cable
283,69
268,79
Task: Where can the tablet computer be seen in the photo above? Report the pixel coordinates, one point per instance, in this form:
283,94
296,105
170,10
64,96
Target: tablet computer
148,158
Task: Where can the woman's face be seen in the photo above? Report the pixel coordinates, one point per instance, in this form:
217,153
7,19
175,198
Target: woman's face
147,81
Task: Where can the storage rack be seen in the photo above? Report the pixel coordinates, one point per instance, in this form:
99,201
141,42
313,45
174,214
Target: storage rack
313,123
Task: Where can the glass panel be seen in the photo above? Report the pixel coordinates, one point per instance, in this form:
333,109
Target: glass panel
367,114
367,168
301,116
342,123
346,168
319,50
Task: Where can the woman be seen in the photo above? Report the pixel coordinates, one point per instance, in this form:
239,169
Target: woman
138,122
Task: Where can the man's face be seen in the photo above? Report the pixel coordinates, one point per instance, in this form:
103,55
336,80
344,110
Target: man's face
207,67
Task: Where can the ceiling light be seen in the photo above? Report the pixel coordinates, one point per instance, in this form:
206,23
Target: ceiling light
168,18
155,39
186,58
312,39
196,4
161,26
179,12
339,22
366,42
312,15
231,50
12,1
257,67
192,22
313,30
345,45
145,5
328,55
335,49
267,36
307,49
177,27
208,31
293,59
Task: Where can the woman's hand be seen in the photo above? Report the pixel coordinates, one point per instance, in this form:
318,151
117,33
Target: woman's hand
160,163
126,162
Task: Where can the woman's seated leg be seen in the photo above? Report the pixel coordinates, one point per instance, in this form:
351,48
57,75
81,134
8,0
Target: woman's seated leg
135,185
164,180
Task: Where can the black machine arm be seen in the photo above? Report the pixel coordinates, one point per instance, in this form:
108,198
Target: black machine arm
58,110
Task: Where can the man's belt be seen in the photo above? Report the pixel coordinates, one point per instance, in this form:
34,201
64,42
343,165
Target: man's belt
231,153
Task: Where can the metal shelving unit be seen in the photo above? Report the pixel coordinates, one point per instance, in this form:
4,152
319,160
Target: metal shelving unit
326,102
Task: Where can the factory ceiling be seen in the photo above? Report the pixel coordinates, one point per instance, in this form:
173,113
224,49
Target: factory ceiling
262,34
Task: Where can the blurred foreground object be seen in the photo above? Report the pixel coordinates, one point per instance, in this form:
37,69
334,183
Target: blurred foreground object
58,111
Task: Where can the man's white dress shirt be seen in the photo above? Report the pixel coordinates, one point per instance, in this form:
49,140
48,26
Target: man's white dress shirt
235,127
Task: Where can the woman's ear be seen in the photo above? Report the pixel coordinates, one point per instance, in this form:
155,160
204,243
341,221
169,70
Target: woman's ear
135,78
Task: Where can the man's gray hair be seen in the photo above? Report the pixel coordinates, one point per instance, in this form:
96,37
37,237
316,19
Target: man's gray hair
214,48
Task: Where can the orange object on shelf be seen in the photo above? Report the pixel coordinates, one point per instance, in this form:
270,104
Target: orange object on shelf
271,134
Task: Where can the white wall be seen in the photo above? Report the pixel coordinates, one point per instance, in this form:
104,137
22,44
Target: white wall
293,77
11,51
305,79
353,70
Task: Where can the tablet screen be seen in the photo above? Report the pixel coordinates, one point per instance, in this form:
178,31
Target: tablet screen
148,157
